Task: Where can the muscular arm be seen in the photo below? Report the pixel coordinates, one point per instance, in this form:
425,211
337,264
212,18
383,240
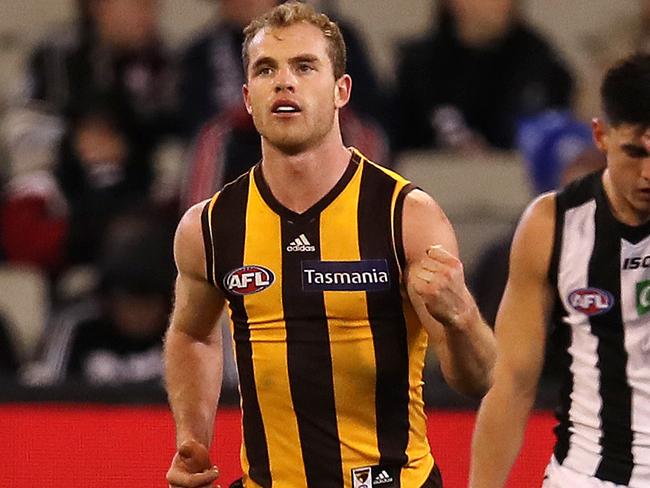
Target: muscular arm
520,332
436,286
193,349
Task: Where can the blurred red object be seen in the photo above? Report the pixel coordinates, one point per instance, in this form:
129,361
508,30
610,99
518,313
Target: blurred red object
34,222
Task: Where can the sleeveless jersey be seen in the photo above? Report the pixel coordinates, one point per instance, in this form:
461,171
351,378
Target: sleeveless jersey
329,351
600,269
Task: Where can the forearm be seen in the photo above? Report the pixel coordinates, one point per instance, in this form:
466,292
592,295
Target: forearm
193,375
498,435
470,355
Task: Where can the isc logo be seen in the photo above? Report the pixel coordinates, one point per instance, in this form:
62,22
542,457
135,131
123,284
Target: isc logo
248,279
591,301
636,262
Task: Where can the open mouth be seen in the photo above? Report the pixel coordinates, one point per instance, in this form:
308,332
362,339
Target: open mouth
285,107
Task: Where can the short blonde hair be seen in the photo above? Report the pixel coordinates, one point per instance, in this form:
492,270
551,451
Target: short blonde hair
293,12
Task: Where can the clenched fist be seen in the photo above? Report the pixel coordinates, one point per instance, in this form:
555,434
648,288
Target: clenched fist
191,467
438,279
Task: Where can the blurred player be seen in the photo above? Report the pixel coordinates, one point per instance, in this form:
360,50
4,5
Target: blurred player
335,271
581,256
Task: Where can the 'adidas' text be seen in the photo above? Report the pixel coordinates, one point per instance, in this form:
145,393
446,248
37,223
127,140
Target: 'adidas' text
300,244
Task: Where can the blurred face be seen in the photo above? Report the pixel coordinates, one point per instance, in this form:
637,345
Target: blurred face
482,20
97,142
127,24
139,315
627,179
291,91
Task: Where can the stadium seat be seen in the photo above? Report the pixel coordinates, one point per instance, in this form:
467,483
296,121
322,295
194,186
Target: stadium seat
24,303
482,195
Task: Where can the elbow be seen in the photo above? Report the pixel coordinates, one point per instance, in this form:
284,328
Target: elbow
473,386
475,390
482,388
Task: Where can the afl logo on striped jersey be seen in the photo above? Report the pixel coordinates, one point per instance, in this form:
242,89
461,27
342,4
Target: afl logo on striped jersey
591,301
248,279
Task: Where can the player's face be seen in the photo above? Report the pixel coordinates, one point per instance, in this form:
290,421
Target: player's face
628,168
291,91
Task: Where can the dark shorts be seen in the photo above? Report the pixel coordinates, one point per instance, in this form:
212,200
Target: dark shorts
433,481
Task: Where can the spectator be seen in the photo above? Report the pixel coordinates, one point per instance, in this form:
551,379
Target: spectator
624,36
465,86
212,107
99,100
225,143
115,337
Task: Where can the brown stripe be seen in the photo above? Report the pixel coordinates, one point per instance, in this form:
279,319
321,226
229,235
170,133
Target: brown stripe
434,480
386,318
399,209
309,362
229,241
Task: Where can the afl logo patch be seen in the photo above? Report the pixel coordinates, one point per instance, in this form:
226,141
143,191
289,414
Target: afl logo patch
591,301
248,279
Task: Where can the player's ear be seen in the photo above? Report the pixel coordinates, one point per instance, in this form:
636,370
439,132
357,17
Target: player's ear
599,131
342,91
247,101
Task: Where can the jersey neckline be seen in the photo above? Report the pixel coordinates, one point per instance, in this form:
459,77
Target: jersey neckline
320,205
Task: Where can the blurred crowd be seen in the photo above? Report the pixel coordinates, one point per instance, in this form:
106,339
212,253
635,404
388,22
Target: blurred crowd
114,135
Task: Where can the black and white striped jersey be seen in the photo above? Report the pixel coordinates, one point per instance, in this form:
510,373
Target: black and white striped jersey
600,271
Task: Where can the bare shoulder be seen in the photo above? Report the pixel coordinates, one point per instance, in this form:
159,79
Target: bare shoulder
533,241
424,223
541,212
419,202
189,250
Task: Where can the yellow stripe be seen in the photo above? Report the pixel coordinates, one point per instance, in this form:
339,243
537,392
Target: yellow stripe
268,341
214,265
418,451
350,338
398,188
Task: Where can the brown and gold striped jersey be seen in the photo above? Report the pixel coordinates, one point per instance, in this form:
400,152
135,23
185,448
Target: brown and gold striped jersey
329,350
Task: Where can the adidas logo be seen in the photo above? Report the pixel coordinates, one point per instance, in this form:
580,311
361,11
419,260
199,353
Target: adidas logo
382,478
300,244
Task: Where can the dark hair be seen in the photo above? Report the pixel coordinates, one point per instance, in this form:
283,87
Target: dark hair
294,12
625,92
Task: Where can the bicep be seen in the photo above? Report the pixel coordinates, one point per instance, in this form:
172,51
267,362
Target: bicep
197,307
521,321
198,304
425,224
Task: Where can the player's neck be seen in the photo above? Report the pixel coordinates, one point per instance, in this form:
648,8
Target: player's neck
623,210
300,180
